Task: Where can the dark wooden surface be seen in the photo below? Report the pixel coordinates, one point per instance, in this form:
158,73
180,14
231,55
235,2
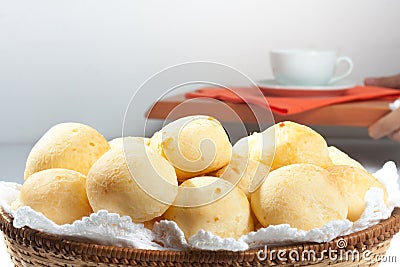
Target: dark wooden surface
360,114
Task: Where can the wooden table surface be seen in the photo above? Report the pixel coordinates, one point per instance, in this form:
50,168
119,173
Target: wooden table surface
359,114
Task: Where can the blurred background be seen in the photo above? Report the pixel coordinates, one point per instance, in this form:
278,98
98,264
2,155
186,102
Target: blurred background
81,61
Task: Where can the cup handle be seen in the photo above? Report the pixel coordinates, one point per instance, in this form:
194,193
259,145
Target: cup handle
340,77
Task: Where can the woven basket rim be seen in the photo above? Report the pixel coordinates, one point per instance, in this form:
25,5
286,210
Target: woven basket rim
374,232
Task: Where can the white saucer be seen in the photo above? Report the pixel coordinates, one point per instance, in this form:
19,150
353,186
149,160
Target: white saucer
272,87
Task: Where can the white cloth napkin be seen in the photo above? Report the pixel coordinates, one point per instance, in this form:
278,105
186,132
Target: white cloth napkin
395,104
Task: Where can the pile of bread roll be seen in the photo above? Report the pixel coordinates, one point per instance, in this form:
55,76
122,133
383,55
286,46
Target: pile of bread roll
188,172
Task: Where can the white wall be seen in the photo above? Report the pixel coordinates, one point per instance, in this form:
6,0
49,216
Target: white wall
82,60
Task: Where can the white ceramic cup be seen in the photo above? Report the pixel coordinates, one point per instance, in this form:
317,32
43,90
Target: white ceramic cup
307,67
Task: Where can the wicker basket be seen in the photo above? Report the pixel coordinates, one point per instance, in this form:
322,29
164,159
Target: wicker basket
29,247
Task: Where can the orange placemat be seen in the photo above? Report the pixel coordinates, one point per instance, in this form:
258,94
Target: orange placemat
293,105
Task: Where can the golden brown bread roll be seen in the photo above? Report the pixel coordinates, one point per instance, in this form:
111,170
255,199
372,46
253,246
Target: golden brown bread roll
296,143
301,195
242,171
282,144
133,181
338,157
354,183
229,216
150,224
247,166
195,145
73,146
119,142
59,194
156,143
